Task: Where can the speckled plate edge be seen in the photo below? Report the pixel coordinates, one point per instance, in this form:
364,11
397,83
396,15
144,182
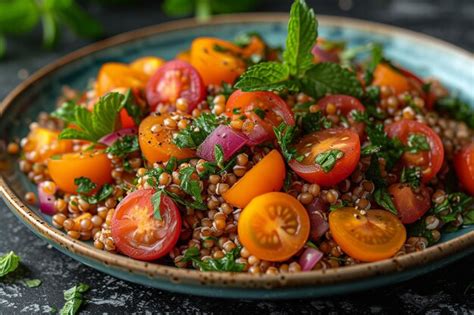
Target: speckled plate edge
215,280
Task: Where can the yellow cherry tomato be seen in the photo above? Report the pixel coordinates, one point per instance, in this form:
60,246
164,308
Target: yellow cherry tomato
147,65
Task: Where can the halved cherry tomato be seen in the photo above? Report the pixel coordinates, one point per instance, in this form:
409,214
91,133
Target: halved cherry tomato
138,234
344,105
266,176
147,65
91,164
429,161
264,110
157,145
217,60
410,205
464,166
42,143
118,75
274,226
175,79
384,75
367,235
321,142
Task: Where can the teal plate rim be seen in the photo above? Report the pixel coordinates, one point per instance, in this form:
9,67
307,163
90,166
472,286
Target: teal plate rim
235,285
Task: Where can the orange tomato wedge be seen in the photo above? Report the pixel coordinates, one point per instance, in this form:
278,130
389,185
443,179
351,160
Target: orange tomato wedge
274,226
147,65
158,146
266,176
367,235
384,75
92,164
45,143
119,75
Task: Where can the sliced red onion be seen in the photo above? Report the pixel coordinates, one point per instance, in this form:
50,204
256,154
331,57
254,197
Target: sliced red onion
319,225
324,55
229,139
109,139
310,258
258,135
46,200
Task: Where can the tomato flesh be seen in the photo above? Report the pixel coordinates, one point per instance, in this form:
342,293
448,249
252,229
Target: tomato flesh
264,110
464,166
274,226
430,161
313,144
138,234
367,235
44,143
175,79
118,75
410,205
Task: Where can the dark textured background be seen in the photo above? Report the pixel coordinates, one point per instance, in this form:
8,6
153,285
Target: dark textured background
448,290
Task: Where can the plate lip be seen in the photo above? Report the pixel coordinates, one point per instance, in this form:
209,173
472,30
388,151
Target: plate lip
221,279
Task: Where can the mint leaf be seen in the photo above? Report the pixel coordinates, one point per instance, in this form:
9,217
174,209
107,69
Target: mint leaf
74,299
8,263
268,76
156,202
32,283
330,78
302,34
219,155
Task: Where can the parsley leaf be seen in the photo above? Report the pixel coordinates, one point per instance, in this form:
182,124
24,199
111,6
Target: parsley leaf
226,263
285,135
417,143
156,202
219,155
123,146
197,131
8,263
456,108
376,58
259,112
328,159
74,299
311,122
84,185
383,199
411,176
455,204
65,112
133,110
302,34
189,185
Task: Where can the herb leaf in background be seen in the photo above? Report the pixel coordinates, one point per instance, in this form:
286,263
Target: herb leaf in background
32,283
8,263
74,299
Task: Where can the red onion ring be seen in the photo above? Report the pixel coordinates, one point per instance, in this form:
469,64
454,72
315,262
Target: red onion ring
310,258
46,200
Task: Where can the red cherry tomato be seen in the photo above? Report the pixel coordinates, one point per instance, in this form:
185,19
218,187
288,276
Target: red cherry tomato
410,205
321,142
464,165
262,110
429,161
344,105
138,234
175,79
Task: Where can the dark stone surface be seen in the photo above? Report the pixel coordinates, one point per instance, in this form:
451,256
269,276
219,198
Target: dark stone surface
445,291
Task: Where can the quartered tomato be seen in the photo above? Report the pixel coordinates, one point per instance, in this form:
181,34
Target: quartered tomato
464,166
385,75
175,79
266,176
136,231
118,75
264,110
367,235
430,161
274,226
217,60
147,65
411,205
42,143
66,168
328,156
343,105
156,140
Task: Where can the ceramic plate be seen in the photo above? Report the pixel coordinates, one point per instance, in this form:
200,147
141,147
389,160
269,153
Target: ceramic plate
424,55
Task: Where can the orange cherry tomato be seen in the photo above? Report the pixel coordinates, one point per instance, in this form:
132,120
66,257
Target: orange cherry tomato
367,235
256,46
264,110
274,226
431,160
157,145
217,60
266,176
321,142
464,166
410,205
118,75
147,65
91,164
138,234
43,143
384,75
184,56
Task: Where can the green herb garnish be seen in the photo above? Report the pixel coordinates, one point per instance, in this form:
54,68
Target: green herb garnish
33,283
197,131
123,146
226,263
156,202
285,134
417,143
8,263
411,176
74,299
189,185
84,185
456,108
383,198
328,159
219,155
311,122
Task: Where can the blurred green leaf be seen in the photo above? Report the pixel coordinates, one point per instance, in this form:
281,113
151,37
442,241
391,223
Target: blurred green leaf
232,6
3,46
18,16
178,7
78,20
50,30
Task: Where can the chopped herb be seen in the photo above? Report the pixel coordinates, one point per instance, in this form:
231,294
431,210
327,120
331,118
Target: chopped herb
383,199
311,244
244,39
189,185
287,182
8,263
219,155
236,111
171,164
455,204
259,112
74,299
370,149
312,122
226,263
417,143
133,110
156,202
419,229
285,134
65,112
376,58
196,132
32,283
220,48
411,176
328,159
84,185
123,146
456,108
